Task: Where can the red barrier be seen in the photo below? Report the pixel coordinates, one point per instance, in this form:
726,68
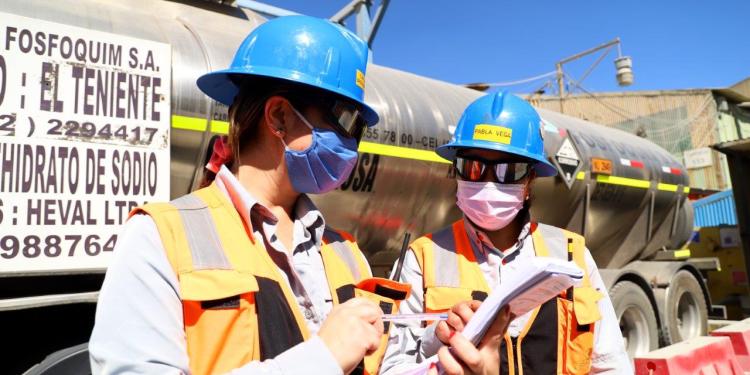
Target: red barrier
698,356
739,335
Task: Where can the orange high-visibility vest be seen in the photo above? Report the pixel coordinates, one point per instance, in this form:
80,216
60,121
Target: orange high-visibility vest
559,336
237,307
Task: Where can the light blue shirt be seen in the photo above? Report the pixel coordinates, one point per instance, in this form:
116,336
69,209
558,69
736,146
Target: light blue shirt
139,324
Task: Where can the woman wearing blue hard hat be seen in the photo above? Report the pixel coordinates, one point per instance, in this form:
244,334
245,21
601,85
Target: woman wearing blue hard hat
243,276
497,152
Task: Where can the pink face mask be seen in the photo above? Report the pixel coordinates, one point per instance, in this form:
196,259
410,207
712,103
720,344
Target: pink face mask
490,205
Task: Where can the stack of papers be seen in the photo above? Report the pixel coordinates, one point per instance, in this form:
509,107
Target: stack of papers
524,286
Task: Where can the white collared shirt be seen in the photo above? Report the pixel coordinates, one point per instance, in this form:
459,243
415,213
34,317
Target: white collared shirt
303,269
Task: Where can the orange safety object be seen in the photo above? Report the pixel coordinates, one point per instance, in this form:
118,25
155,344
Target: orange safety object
237,307
706,355
387,294
739,336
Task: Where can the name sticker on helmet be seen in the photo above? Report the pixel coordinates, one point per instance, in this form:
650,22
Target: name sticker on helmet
360,79
492,133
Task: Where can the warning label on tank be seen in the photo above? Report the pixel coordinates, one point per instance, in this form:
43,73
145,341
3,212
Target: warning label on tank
568,161
84,138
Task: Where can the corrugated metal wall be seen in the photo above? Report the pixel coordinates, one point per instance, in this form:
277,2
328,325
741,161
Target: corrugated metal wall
715,210
678,121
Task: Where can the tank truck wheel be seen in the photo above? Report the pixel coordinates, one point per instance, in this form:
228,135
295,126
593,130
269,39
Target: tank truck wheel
636,316
686,310
69,361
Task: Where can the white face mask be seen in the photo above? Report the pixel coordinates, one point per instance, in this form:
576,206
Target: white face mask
490,205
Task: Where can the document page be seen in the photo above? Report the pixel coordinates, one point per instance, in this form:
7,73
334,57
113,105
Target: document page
523,287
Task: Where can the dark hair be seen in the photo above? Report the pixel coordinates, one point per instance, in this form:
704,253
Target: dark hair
247,109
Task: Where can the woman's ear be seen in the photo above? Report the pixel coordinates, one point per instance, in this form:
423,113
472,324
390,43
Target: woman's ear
276,115
529,181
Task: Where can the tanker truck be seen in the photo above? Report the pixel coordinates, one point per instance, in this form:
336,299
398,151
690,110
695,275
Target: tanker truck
99,113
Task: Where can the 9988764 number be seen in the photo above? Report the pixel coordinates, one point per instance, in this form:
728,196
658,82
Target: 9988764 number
53,246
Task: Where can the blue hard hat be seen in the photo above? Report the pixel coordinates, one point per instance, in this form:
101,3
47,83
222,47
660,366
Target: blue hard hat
299,49
501,122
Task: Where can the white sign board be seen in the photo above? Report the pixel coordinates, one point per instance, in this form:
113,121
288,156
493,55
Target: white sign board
730,237
84,138
568,161
698,158
567,154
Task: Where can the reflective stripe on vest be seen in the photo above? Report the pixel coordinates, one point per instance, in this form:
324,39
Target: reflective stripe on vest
199,228
568,325
339,244
387,294
554,241
337,254
449,268
446,270
236,305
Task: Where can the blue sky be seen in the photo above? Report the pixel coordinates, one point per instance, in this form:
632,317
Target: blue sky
674,43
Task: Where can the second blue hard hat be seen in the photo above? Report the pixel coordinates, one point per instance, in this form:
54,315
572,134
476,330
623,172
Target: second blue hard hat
501,122
301,49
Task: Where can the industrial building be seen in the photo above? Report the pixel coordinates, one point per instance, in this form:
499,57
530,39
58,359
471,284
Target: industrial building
686,123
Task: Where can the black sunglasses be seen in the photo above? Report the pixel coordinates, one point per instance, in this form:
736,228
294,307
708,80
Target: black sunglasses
506,172
346,118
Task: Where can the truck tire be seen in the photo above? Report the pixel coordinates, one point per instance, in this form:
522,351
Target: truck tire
69,361
686,311
636,316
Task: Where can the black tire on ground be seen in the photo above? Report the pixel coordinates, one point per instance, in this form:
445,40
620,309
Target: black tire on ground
69,361
686,311
636,316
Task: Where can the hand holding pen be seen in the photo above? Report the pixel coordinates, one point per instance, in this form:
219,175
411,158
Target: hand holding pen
459,355
426,317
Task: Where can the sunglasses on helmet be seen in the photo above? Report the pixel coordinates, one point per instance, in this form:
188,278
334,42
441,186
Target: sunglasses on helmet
475,169
346,118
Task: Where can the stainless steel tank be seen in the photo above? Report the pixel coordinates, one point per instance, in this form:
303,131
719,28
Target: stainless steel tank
629,215
638,209
399,185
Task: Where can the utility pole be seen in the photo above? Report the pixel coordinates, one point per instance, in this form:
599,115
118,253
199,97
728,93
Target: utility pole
622,63
366,26
560,85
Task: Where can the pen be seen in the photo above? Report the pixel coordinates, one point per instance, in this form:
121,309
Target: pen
401,254
569,293
415,317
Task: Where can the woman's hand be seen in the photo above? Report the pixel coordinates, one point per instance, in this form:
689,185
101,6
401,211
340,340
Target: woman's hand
463,357
352,330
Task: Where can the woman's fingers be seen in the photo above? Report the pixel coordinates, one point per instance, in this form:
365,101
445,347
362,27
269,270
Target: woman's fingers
466,353
498,328
458,316
464,311
463,357
449,363
443,332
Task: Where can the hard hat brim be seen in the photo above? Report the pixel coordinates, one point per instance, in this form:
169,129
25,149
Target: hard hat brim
542,167
219,86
